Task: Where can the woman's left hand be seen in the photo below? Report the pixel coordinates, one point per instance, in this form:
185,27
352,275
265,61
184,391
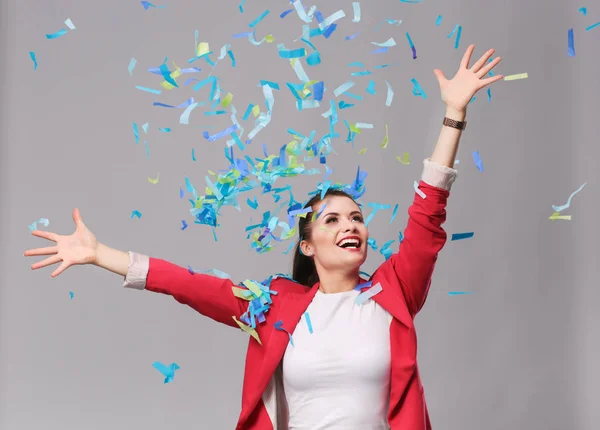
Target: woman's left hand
458,91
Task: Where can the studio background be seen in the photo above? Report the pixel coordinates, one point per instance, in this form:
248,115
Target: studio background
521,352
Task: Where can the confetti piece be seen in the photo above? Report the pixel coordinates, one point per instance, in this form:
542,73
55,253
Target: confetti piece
148,90
259,19
366,295
331,19
412,46
164,129
363,151
557,215
181,106
146,5
438,20
371,88
460,236
220,134
136,213
390,94
458,293
33,225
477,160
71,295
35,63
343,88
387,44
515,77
136,134
279,326
153,181
352,36
356,9
571,44
568,204
285,13
404,159
394,213
308,323
240,6
417,90
592,26
58,34
418,190
184,225
145,128
385,141
185,116
69,24
131,66
167,371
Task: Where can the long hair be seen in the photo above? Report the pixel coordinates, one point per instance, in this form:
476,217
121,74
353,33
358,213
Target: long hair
304,270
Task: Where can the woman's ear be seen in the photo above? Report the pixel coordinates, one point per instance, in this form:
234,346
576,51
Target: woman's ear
305,248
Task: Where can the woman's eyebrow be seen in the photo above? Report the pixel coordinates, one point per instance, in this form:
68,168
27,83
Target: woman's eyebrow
337,214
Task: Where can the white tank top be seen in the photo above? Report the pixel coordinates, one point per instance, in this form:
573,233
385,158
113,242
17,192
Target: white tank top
338,376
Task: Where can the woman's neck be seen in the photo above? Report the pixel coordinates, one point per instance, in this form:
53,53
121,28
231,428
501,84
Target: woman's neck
334,282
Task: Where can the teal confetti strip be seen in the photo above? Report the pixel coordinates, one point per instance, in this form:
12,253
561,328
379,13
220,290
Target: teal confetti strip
167,371
279,326
291,53
35,63
571,43
252,204
356,64
136,133
131,66
259,19
240,6
489,94
438,20
568,204
376,207
193,154
147,5
148,90
366,295
458,30
371,87
417,90
136,213
308,323
593,26
343,88
166,74
165,129
477,160
71,295
147,149
394,213
412,46
361,73
461,236
583,10
56,35
390,94
411,1
458,293
43,221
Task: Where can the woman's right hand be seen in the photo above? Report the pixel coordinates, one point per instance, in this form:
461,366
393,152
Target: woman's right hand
81,247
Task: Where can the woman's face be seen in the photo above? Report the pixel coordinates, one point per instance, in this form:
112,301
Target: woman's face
338,236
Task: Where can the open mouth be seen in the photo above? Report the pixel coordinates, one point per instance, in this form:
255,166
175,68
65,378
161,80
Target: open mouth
350,243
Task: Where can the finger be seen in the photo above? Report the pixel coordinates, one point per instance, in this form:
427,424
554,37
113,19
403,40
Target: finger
439,75
60,269
41,251
45,234
464,63
479,63
489,66
47,262
488,81
77,217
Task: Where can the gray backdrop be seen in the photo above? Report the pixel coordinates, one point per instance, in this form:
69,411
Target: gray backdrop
519,353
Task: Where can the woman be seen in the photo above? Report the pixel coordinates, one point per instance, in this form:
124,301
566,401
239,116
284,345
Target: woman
316,359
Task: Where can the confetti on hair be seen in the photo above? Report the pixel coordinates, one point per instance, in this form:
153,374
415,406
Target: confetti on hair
147,5
167,371
516,76
136,213
35,63
568,204
154,181
477,160
390,94
279,326
461,236
571,43
366,295
418,190
412,46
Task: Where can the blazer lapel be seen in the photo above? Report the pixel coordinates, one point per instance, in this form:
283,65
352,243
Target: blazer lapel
392,301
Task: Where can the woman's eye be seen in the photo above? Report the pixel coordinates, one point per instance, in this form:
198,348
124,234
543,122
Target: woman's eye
331,220
357,218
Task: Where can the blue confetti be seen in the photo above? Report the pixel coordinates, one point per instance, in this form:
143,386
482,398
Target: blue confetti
477,160
35,63
167,371
460,236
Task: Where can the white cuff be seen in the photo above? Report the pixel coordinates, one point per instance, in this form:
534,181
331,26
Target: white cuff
437,175
137,271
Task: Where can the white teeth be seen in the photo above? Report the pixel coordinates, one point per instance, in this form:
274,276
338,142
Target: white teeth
355,242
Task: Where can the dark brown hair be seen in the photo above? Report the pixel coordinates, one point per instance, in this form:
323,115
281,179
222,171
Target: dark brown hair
304,270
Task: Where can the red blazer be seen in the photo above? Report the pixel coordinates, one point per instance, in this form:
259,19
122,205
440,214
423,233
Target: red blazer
405,278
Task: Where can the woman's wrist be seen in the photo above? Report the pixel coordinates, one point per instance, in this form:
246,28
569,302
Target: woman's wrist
456,114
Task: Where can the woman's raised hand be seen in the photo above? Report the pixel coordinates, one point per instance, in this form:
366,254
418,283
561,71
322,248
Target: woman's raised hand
81,247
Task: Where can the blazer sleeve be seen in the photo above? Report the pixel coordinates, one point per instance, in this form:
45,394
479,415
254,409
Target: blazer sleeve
424,236
209,295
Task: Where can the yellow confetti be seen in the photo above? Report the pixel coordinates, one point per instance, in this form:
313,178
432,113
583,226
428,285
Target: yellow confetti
362,151
256,110
557,215
154,181
227,100
202,48
241,293
269,38
404,159
174,74
354,128
252,332
384,144
515,77
252,286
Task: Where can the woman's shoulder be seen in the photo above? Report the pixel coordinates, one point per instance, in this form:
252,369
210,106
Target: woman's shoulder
284,284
